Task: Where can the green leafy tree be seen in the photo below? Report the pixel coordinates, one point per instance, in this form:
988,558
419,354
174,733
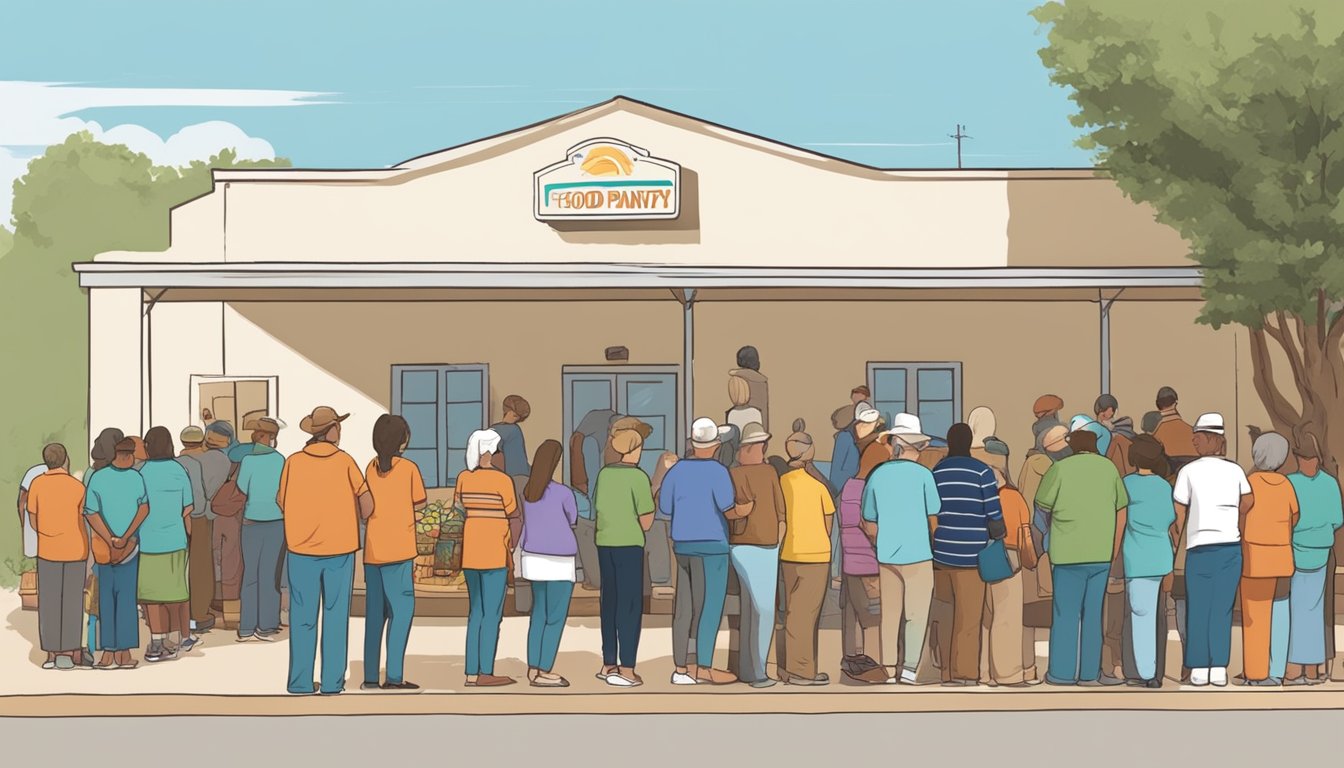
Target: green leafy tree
1226,115
78,199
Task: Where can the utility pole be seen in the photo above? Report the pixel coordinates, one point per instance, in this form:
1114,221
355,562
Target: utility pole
959,135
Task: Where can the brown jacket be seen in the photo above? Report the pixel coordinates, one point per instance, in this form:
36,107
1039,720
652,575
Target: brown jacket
1176,436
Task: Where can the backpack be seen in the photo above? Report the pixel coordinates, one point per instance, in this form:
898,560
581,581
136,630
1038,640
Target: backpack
229,500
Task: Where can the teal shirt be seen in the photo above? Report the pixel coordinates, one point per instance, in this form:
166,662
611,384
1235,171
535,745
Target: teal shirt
259,479
900,496
169,489
1146,548
1321,514
116,494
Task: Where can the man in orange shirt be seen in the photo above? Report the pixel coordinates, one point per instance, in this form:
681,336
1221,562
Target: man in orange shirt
322,493
56,507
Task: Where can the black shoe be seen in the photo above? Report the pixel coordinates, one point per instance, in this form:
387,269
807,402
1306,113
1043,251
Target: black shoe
370,687
404,685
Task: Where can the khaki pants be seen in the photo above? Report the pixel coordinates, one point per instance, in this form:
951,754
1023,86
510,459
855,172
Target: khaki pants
860,618
201,568
1009,650
1114,609
907,592
966,593
802,589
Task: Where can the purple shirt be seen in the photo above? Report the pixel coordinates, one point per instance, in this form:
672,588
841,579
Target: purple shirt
859,556
548,523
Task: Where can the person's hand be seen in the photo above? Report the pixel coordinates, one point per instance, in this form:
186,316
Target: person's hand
118,542
669,460
1168,581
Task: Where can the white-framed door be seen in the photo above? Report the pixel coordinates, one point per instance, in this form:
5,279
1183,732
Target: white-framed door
232,398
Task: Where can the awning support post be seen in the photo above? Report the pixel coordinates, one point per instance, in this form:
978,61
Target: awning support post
687,357
1105,339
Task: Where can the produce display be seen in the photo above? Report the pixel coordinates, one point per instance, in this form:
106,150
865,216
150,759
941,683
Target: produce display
438,535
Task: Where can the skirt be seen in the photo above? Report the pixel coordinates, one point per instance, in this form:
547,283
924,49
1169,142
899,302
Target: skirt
547,567
163,578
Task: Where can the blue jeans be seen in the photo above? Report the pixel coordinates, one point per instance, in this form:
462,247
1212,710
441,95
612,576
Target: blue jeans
622,604
485,590
1076,626
118,615
1212,574
321,583
758,574
697,607
263,545
389,602
1306,616
1144,594
550,608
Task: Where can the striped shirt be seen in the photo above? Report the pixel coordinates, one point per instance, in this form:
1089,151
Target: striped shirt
970,500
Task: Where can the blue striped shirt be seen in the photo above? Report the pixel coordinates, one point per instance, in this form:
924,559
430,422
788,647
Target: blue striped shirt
970,499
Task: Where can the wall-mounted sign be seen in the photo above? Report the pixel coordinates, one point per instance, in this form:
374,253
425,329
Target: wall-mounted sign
606,179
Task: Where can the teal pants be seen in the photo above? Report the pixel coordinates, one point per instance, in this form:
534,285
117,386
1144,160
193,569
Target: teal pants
389,605
319,585
485,593
550,608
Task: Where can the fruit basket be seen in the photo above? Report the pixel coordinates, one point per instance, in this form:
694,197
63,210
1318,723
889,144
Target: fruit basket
428,524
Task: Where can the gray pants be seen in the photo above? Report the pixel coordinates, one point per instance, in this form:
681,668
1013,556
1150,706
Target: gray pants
586,533
263,552
658,552
60,606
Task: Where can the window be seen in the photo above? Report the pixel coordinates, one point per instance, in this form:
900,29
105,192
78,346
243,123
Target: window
443,405
931,391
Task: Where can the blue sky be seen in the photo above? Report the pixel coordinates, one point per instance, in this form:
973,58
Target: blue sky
347,84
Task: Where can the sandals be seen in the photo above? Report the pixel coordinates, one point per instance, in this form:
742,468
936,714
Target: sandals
548,682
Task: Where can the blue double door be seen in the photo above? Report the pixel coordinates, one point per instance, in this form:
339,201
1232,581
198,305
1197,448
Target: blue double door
649,393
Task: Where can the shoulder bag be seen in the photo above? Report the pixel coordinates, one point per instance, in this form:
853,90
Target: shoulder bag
992,562
229,500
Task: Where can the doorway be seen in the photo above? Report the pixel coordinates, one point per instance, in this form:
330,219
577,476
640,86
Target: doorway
652,393
235,399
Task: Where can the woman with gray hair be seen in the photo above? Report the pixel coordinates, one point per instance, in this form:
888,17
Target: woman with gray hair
1267,557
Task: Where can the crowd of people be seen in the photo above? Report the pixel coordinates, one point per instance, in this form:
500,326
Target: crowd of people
936,547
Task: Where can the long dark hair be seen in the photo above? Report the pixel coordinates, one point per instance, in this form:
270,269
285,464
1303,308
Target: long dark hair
105,447
390,432
159,443
544,462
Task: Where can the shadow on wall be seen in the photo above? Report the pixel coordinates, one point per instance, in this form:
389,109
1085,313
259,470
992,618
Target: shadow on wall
1100,229
683,230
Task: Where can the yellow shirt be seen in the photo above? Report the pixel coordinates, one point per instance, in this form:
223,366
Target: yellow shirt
318,491
390,535
807,503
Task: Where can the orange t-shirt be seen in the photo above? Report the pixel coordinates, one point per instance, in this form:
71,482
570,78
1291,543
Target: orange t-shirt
318,491
390,533
486,540
56,507
1267,541
1016,514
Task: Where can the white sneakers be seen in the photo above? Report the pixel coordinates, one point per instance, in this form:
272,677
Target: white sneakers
681,678
1199,676
1218,676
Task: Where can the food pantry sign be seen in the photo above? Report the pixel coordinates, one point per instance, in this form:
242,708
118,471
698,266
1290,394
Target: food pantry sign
606,179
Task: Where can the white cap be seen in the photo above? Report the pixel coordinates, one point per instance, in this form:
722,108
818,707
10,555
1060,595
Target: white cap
705,433
1210,422
907,427
866,413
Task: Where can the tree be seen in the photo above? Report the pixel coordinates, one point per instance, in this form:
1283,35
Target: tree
78,199
1226,117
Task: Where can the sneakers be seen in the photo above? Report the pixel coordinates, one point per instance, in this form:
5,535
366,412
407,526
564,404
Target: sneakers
617,680
678,678
1199,677
65,662
190,643
268,635
908,677
157,652
764,682
1218,677
49,664
367,686
1268,682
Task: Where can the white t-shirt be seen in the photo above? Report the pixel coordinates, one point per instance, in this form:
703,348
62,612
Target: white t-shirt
29,534
741,417
1212,488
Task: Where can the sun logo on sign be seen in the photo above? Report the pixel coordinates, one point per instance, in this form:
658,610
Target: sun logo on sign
604,160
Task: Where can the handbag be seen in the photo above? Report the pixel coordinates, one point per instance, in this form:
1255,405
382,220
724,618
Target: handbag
229,500
1026,548
992,562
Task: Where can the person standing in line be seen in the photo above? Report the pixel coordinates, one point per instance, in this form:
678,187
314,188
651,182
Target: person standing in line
1046,410
742,413
1147,551
1212,495
1322,514
116,504
487,496
398,492
26,525
754,548
162,586
547,560
985,446
321,498
749,368
969,518
55,505
1267,555
696,494
227,529
623,507
860,589
1177,437
1009,652
900,505
1121,429
805,557
512,444
263,535
589,444
845,459
214,467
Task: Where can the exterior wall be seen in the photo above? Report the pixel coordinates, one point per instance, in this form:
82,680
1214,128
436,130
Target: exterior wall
187,338
115,362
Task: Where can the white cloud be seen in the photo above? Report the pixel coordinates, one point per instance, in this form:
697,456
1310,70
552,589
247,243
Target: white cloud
40,114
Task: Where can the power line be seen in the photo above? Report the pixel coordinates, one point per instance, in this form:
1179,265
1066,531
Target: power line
959,135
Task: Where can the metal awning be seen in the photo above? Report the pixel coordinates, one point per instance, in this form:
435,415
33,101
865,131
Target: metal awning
299,275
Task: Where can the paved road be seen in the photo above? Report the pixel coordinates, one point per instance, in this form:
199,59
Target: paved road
990,739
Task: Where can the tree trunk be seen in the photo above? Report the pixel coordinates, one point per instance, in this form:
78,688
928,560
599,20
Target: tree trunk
1315,371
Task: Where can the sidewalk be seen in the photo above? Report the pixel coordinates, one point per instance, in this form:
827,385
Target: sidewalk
225,677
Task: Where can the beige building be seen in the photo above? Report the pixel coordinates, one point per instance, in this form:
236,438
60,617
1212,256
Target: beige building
511,264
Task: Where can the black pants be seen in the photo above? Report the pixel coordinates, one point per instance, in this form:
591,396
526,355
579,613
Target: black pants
622,601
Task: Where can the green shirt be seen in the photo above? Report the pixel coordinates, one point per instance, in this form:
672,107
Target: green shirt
622,495
1320,515
1082,494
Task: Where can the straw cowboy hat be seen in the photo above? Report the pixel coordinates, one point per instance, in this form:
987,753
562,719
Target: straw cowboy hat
320,420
